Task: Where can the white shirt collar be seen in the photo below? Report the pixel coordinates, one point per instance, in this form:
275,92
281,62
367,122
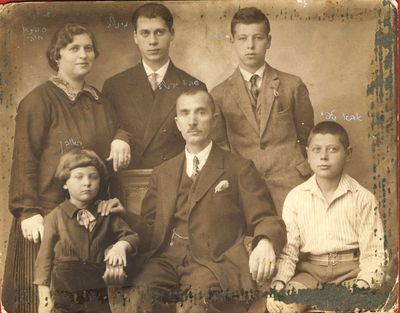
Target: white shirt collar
160,72
345,185
202,156
247,75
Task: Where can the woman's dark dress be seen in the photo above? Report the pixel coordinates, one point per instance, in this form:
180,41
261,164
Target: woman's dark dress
50,121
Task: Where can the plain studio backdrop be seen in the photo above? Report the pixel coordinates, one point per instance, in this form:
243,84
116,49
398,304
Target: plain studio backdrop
344,52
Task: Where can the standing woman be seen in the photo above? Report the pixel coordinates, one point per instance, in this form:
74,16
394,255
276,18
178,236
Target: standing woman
62,113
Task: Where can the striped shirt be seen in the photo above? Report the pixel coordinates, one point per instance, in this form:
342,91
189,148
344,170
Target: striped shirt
350,221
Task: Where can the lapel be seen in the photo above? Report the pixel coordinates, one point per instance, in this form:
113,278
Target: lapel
241,97
212,170
163,103
168,192
140,92
269,88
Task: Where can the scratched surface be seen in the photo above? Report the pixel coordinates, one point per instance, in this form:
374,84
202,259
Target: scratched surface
344,51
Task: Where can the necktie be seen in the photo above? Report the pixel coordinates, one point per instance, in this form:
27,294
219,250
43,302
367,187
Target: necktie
254,89
86,219
195,168
153,81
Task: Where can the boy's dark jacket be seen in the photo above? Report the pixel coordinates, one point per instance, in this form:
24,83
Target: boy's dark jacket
70,257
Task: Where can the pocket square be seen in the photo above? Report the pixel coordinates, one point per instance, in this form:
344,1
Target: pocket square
222,185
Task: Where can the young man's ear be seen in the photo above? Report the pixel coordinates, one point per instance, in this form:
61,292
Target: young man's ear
215,119
172,31
135,36
269,38
349,152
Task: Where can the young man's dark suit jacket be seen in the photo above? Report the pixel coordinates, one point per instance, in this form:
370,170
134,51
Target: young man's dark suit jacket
277,147
149,116
218,221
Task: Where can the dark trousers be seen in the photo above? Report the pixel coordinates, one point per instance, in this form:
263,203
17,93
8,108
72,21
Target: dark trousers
90,301
175,280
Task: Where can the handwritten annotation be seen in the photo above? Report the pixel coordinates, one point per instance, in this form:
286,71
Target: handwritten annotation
347,117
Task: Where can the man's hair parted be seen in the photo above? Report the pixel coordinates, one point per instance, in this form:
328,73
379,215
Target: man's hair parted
250,15
194,90
153,10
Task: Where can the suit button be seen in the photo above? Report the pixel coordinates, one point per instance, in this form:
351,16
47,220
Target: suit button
164,130
164,158
263,146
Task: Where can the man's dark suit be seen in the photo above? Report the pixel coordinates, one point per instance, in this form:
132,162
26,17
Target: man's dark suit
149,116
217,220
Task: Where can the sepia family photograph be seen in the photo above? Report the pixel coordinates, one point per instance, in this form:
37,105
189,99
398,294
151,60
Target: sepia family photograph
207,156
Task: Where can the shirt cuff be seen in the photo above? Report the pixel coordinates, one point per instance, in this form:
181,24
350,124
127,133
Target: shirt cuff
123,135
29,212
134,241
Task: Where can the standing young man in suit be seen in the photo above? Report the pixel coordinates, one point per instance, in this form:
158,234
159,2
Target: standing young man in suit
200,205
266,115
144,96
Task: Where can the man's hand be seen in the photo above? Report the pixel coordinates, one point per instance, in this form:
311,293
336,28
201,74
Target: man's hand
262,261
105,207
32,228
275,306
120,154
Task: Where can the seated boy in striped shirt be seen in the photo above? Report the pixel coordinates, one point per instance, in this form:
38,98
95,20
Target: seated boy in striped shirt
334,229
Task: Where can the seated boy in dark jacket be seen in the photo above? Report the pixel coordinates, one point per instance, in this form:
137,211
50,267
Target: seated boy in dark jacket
71,261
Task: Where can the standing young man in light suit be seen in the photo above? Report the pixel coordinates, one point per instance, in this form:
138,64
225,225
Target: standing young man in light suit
144,96
266,115
200,205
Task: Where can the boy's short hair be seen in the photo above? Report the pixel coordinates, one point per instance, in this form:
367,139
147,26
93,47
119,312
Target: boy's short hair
250,15
153,10
332,128
192,90
79,158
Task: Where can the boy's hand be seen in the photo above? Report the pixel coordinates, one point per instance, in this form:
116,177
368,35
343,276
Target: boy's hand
114,275
262,261
117,254
32,228
120,153
116,260
113,205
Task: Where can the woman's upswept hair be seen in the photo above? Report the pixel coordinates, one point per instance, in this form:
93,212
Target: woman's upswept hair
62,38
